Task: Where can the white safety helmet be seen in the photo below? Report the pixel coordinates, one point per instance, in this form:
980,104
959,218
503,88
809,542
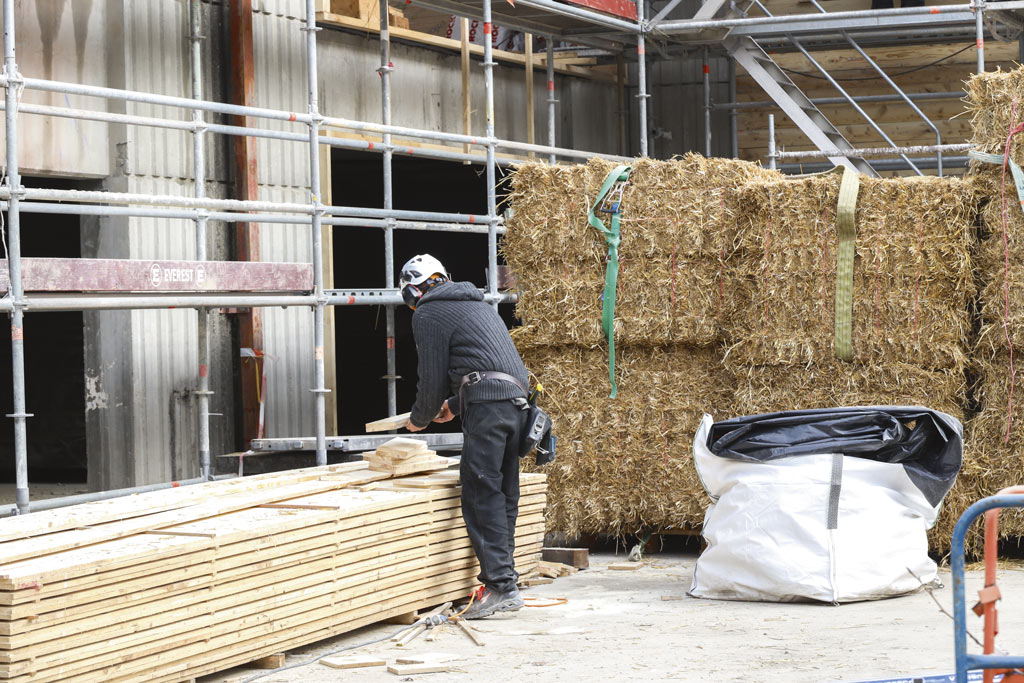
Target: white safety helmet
418,276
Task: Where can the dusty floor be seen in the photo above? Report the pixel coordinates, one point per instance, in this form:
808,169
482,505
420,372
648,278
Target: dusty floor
640,626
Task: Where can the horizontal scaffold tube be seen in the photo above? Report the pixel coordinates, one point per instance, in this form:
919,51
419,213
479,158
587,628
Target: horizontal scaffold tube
873,151
235,217
684,25
243,131
273,114
31,194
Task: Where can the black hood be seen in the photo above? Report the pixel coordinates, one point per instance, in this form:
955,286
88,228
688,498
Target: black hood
928,444
452,291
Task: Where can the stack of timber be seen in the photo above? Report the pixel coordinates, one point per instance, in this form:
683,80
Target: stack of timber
401,456
626,463
995,436
176,584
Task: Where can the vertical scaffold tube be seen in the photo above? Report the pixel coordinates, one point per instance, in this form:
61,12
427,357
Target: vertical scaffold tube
707,103
551,95
14,265
199,175
979,25
771,141
492,226
641,76
319,391
389,201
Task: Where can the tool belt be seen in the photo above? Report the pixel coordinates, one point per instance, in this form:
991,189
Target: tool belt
538,434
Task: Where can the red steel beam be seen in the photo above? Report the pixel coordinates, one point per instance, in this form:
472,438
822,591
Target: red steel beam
247,235
619,8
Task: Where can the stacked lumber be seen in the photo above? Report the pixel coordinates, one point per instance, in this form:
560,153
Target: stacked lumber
177,584
401,456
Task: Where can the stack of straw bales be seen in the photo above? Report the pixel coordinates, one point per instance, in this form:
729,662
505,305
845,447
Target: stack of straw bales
626,463
995,435
914,291
913,288
727,299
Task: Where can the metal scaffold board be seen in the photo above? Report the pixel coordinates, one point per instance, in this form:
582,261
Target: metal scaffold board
441,442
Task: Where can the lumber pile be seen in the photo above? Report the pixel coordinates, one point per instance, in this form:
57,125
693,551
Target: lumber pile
401,456
176,584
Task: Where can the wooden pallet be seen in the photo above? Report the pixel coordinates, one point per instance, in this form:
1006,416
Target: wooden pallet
233,571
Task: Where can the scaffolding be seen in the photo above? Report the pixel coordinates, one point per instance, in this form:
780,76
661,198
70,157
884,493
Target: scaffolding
554,20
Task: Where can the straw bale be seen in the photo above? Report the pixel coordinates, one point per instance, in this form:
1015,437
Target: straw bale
913,278
624,464
834,383
1000,265
991,97
991,461
676,282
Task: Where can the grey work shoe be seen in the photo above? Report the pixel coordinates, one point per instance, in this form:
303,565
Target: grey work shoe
488,601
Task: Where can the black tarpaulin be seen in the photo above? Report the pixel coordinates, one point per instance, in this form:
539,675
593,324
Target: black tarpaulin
928,444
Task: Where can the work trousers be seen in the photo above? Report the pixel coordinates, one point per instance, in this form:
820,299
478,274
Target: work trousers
492,431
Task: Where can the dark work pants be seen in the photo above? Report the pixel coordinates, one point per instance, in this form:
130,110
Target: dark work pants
490,487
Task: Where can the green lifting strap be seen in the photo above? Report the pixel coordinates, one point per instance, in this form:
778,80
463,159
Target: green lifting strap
1018,174
846,227
611,274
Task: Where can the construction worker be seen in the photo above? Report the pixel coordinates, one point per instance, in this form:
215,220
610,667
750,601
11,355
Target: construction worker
468,366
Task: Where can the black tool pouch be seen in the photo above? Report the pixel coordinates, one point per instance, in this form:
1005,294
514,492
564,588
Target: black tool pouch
538,436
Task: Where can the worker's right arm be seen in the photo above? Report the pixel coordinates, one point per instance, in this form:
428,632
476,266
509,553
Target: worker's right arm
433,385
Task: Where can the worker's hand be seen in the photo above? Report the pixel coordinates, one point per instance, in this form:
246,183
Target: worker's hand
413,428
446,414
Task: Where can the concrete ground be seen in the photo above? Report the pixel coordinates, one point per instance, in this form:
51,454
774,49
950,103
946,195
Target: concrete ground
641,626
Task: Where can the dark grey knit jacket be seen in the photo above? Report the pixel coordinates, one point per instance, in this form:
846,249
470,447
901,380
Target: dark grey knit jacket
457,333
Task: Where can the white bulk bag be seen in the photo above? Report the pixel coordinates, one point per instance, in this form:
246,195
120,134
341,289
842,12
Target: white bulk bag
790,524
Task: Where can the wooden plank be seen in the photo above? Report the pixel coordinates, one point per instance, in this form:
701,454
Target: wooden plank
33,547
125,275
141,504
274,661
574,557
413,669
388,423
353,662
401,447
447,44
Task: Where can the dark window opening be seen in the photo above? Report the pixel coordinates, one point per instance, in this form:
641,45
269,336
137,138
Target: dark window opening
54,363
361,331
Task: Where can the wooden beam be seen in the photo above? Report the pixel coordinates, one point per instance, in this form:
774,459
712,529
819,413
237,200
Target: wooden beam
455,46
242,78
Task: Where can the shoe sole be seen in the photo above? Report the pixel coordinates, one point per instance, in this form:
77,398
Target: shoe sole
500,607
